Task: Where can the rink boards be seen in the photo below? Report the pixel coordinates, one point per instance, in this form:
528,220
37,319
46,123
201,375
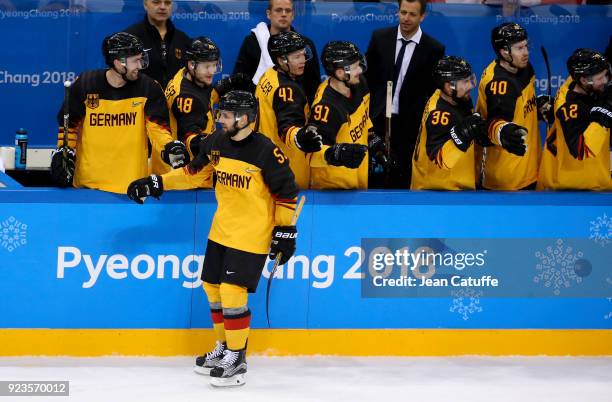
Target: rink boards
89,273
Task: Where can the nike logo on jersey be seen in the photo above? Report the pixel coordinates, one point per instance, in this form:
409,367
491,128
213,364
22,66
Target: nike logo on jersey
134,104
251,170
230,272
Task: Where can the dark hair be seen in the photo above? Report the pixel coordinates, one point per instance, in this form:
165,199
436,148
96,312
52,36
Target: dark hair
270,4
423,4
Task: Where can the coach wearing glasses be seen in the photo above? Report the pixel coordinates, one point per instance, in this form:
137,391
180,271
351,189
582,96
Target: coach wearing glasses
405,55
166,43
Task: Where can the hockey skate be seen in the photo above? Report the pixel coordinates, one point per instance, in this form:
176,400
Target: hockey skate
231,370
205,363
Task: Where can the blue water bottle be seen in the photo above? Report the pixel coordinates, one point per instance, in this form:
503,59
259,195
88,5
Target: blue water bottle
21,148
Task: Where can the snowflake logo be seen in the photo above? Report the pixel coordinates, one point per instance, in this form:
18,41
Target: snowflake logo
463,296
13,234
559,266
601,230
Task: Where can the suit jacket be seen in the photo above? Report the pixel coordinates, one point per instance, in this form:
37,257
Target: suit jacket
418,84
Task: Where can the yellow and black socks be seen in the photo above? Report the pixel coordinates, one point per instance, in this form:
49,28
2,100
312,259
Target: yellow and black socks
216,310
236,315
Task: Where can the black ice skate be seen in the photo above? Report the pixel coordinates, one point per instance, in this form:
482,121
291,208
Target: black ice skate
206,362
231,370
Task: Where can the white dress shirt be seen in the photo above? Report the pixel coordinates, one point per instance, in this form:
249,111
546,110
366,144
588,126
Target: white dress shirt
414,39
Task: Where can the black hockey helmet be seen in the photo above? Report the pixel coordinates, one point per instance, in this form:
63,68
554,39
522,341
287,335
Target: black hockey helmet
239,102
340,54
202,49
506,35
121,45
586,62
449,69
283,43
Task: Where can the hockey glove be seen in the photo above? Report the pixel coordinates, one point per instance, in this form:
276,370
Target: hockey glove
235,82
512,138
602,115
378,155
308,139
140,189
283,242
347,155
175,154
545,109
468,129
63,163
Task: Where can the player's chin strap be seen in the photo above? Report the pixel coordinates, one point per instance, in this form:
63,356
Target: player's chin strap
123,61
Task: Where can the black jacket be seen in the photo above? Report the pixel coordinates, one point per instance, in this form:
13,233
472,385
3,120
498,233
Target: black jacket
248,60
418,84
161,69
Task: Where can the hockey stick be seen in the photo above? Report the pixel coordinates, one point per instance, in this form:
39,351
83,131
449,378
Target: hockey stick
545,56
388,109
548,88
296,215
66,119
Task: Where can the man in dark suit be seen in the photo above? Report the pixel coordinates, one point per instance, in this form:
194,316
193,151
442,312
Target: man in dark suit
406,56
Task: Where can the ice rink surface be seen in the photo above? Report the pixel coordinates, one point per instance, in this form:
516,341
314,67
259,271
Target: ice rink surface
322,378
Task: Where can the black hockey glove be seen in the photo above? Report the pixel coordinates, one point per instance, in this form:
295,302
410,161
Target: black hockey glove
378,155
512,138
283,242
235,82
140,189
175,154
347,155
545,109
308,139
63,163
601,114
468,129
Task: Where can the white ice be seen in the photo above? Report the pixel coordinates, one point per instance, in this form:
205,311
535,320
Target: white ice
424,379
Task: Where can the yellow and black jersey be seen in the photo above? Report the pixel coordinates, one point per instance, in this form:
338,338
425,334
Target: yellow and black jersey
506,97
341,120
191,115
580,148
547,174
255,190
283,110
437,163
109,128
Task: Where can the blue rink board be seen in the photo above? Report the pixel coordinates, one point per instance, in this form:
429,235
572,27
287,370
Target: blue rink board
50,238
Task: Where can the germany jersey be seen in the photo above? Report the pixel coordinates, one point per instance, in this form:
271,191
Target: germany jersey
255,190
547,174
582,158
506,97
437,163
283,110
109,128
191,115
341,120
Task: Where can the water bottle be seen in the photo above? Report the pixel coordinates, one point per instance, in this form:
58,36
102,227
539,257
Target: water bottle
21,148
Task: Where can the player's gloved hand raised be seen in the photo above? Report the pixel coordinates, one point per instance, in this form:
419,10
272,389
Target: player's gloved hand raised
63,163
308,139
347,155
470,128
140,189
601,114
512,138
175,154
545,109
235,82
283,242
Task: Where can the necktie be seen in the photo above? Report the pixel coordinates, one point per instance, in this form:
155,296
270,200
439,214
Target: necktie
398,62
